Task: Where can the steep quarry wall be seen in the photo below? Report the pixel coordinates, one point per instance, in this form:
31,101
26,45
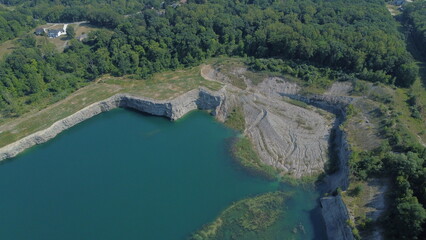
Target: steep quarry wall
336,105
174,109
335,217
334,209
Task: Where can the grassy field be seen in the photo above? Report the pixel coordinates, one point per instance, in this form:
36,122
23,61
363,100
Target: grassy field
363,127
83,28
415,126
358,199
160,86
236,120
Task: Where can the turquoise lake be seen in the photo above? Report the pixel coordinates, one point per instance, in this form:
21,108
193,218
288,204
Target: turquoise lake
126,175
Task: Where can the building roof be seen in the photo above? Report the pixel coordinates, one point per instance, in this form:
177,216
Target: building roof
39,30
56,31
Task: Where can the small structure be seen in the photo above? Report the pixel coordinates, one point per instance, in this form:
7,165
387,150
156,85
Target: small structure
82,37
54,33
39,31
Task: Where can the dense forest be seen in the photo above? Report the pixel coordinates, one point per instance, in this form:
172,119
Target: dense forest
355,37
338,34
341,39
415,15
14,24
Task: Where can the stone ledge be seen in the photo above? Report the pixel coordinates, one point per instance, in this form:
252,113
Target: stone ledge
202,99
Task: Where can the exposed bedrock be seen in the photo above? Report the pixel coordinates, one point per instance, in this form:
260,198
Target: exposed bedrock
336,105
174,109
335,217
297,139
286,136
334,210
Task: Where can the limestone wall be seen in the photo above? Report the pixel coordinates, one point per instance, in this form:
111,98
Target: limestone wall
174,109
335,217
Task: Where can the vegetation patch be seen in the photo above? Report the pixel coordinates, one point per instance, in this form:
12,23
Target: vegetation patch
358,198
6,48
248,158
233,69
246,219
415,15
257,77
296,102
235,119
362,125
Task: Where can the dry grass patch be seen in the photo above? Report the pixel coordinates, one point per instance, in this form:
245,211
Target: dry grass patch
363,128
83,28
366,202
6,48
14,129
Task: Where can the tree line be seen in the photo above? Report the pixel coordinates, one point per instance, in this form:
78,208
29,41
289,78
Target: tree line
415,15
354,38
349,36
14,24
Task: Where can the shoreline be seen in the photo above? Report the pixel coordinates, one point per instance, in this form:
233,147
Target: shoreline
333,209
174,109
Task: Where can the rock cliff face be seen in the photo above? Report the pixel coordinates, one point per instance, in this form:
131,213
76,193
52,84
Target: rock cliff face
335,216
174,109
336,105
334,210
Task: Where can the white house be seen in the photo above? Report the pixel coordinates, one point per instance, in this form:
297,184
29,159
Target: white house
54,33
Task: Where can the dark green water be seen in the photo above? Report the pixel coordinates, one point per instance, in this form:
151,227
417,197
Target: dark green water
124,175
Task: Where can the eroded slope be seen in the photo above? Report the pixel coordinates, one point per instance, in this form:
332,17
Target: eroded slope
290,137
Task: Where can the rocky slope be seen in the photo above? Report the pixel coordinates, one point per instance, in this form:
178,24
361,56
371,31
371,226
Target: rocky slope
289,137
296,137
174,109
